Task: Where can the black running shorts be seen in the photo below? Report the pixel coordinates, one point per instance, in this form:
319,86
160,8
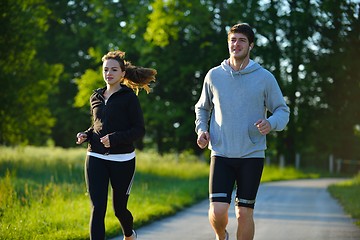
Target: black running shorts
226,172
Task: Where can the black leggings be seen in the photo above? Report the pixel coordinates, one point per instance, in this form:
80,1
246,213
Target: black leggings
98,173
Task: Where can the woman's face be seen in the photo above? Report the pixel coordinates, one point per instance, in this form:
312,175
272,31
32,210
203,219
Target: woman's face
112,72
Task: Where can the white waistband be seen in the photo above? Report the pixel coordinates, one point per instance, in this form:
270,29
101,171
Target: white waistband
114,157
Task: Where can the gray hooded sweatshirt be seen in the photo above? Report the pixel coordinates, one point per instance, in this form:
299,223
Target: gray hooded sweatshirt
231,102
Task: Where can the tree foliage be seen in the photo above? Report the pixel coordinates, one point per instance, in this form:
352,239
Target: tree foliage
310,46
337,75
26,81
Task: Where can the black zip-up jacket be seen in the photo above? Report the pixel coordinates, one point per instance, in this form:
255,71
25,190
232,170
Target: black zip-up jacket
121,117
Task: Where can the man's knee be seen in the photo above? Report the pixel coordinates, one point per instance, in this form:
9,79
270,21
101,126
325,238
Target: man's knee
218,209
244,212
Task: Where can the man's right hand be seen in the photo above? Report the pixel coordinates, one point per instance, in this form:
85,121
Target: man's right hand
203,139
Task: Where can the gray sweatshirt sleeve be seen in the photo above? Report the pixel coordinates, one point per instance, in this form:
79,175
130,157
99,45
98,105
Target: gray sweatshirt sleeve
275,103
203,107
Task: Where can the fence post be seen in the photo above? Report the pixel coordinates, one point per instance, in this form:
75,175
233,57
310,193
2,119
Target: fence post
338,167
297,160
331,163
267,160
282,161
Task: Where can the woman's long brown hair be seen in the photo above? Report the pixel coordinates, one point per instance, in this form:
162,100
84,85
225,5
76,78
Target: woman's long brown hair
135,77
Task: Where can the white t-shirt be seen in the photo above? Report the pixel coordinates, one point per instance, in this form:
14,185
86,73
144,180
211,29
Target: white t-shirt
114,157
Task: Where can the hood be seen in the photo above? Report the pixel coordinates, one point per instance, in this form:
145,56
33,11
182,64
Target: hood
226,67
123,88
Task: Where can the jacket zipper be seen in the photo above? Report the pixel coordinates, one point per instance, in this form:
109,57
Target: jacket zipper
105,119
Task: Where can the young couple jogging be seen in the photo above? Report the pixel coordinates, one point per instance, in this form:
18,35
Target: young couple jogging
230,119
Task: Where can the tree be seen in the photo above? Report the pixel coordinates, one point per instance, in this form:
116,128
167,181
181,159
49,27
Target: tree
337,74
187,39
80,33
25,82
70,36
51,57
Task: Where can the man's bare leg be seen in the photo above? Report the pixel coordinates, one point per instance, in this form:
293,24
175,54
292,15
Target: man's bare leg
218,218
246,225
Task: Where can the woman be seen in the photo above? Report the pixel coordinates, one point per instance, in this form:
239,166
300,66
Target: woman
117,123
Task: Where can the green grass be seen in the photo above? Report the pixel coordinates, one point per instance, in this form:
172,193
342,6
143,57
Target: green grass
273,173
348,193
43,193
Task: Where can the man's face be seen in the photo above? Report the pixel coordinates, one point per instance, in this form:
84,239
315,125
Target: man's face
238,45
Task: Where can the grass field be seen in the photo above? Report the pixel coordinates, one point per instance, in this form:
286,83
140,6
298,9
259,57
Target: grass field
43,193
348,194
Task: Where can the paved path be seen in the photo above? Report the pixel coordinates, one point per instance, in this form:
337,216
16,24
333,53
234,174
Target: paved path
286,210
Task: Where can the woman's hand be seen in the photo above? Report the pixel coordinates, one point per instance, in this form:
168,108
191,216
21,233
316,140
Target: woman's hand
81,137
105,140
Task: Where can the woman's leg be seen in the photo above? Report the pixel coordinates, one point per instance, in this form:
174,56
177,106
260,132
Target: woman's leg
97,180
121,179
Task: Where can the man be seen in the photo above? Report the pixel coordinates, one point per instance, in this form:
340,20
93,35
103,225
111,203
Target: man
231,119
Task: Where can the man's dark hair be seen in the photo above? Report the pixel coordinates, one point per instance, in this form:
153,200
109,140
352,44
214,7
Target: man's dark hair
245,29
